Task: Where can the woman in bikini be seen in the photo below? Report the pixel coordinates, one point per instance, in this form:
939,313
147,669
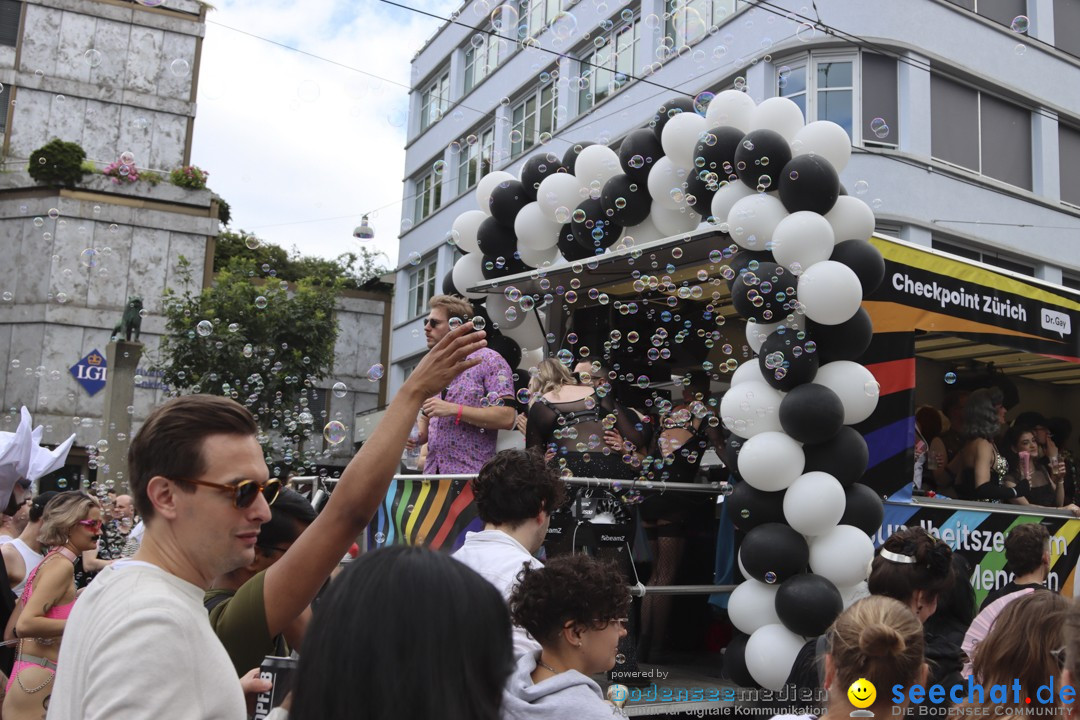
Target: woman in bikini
71,525
979,468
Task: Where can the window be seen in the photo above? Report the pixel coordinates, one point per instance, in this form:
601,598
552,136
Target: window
989,257
979,132
428,195
822,87
1069,152
407,369
481,57
1073,283
880,108
533,119
1067,26
10,10
535,15
688,21
434,101
421,287
5,104
1000,11
475,160
610,67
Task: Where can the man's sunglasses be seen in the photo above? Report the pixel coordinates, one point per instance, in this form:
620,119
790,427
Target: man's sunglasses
245,492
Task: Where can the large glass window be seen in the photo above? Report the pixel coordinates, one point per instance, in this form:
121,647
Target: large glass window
434,100
688,21
822,87
1069,161
990,257
534,16
610,66
421,286
980,132
1000,11
10,10
428,195
533,119
880,107
475,161
1067,26
481,57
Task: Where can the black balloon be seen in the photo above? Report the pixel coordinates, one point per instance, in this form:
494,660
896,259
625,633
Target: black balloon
808,604
809,182
733,445
864,259
761,157
784,361
536,169
448,283
668,110
715,151
633,197
742,258
735,662
570,248
765,294
592,227
506,201
510,350
774,552
638,152
570,156
701,185
864,509
846,341
496,239
844,456
811,413
498,266
749,507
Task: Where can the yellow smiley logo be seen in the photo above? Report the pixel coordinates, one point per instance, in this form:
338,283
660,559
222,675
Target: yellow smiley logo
862,693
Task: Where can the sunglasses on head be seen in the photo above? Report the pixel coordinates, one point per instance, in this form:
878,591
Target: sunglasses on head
245,492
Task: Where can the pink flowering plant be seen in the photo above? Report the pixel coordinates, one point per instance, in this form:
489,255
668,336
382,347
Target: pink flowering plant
121,172
189,176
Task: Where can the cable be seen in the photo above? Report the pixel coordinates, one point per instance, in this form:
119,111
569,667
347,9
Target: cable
1003,224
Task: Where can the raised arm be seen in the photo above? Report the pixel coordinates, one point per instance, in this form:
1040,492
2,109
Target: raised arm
293,581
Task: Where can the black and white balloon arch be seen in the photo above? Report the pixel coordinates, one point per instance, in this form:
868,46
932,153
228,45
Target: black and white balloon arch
771,181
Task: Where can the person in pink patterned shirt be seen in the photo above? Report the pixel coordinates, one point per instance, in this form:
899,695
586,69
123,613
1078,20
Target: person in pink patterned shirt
461,425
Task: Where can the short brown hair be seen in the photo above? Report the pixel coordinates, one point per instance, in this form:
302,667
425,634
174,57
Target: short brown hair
1025,546
453,305
61,514
516,485
170,441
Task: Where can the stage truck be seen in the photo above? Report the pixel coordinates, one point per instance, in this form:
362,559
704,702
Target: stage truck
941,323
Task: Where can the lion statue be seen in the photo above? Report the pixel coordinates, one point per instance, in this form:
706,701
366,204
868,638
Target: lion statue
131,323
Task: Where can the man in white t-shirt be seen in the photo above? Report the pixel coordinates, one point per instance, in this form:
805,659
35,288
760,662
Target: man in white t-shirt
201,485
516,492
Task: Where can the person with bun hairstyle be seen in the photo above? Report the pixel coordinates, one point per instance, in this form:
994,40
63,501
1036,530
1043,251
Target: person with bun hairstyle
1070,675
575,607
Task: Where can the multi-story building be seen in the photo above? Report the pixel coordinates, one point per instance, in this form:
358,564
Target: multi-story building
962,114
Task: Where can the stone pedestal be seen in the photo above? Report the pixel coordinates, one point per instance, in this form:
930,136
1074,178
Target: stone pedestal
123,359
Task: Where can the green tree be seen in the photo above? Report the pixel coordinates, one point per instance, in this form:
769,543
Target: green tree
245,254
263,342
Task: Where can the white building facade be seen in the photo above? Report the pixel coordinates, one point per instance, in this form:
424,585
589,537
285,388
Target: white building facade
964,114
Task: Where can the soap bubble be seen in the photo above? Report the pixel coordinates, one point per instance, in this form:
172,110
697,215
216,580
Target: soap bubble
479,323
261,302
334,432
180,67
1020,24
204,328
340,389
950,378
375,373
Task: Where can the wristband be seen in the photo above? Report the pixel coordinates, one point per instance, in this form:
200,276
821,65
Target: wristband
457,420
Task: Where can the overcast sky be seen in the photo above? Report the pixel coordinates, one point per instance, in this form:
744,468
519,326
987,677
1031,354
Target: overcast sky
291,141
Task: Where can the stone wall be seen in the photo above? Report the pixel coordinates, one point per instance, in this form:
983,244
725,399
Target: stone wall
111,78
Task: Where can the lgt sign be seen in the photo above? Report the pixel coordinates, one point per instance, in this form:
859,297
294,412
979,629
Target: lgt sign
91,372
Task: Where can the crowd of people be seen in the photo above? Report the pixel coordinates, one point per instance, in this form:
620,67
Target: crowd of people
969,451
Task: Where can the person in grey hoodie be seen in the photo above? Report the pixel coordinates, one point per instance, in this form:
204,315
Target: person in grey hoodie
575,607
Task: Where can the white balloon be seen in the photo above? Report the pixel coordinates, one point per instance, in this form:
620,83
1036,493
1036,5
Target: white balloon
530,334
531,359
726,197
779,114
673,222
534,230
731,107
851,219
559,195
749,371
842,555
539,258
826,139
772,461
753,219
644,232
801,240
464,230
486,185
597,163
829,292
856,387
466,273
504,313
756,332
770,654
814,503
752,605
667,183
751,408
680,136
